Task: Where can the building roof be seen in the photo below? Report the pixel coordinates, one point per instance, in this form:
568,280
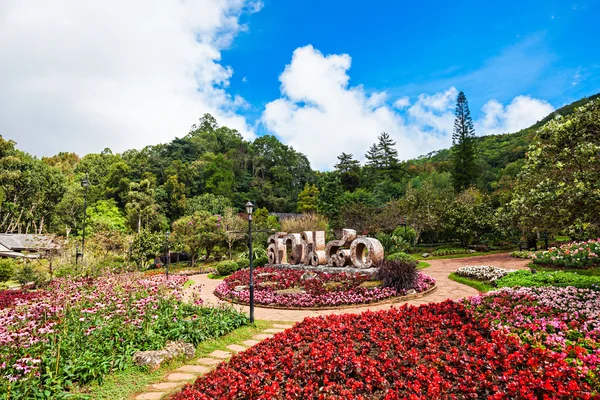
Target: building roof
26,241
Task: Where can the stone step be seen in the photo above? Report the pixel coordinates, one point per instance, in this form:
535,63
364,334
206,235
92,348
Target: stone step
196,369
150,396
262,336
282,326
208,361
236,347
220,354
250,342
274,330
179,376
164,385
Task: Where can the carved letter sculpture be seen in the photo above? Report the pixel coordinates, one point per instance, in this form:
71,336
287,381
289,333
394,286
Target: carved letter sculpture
309,248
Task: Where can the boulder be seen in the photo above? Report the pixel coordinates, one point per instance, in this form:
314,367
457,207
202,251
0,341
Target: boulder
240,288
154,358
307,276
425,255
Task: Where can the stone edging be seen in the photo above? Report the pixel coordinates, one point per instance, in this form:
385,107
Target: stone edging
391,300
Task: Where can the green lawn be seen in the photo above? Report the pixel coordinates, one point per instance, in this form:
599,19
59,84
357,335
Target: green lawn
589,272
423,265
481,286
420,257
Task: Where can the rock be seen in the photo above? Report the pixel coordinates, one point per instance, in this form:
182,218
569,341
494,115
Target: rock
471,251
425,255
307,276
267,284
265,274
240,288
154,358
411,291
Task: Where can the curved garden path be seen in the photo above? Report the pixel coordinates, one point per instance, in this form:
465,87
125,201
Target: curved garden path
439,269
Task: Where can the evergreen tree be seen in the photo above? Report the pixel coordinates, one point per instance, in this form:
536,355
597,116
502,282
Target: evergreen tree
383,159
373,156
388,152
308,199
463,146
349,170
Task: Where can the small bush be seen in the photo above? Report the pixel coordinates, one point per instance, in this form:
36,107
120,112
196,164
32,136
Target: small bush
449,251
525,278
485,273
400,275
392,244
260,261
26,274
243,263
521,254
305,222
408,234
7,269
227,267
400,256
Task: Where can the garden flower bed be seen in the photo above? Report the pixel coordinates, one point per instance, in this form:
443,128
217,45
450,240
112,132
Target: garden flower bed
572,255
566,320
76,332
282,287
427,352
484,273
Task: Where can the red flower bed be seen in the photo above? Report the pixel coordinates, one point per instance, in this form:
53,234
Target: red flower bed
427,352
8,298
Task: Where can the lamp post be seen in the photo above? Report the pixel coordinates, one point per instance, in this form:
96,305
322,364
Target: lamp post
249,209
167,258
85,183
77,254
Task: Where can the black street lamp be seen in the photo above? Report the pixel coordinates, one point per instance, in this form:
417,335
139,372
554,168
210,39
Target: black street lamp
167,257
77,254
249,209
85,183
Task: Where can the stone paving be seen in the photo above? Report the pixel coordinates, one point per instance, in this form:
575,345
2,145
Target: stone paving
439,269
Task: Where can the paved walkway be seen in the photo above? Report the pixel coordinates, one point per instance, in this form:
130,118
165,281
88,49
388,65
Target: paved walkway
439,269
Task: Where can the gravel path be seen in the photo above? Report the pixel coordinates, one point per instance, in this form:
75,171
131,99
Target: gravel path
439,269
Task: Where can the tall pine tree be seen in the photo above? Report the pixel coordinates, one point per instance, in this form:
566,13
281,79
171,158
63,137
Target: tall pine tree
382,160
349,169
464,169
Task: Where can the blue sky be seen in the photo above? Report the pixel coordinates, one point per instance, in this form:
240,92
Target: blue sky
323,76
546,49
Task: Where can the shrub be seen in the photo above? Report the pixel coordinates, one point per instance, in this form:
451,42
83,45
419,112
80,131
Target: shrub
227,267
392,244
7,269
243,263
305,222
449,251
400,256
27,274
526,278
573,255
260,261
400,275
408,234
521,254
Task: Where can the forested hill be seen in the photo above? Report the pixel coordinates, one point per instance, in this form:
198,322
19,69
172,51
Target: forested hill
498,155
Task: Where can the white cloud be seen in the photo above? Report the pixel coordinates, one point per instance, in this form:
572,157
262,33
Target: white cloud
520,113
402,102
321,115
85,76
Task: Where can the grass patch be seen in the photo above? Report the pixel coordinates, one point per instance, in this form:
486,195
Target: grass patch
595,271
475,284
423,265
124,384
188,283
216,276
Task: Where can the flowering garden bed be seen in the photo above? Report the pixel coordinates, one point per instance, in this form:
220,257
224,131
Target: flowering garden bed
571,255
443,350
76,332
287,288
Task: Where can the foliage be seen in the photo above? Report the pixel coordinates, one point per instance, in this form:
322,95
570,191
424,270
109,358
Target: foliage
573,255
433,351
397,274
561,174
208,202
349,171
526,278
227,267
521,254
234,226
449,251
463,146
297,288
29,275
308,199
7,269
260,261
78,331
392,243
145,246
468,216
480,286
400,256
199,231
305,222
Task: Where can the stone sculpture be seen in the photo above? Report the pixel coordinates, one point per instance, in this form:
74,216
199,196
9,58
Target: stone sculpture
309,248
